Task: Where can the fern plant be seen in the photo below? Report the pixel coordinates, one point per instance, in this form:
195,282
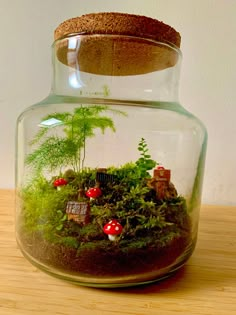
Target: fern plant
144,163
53,150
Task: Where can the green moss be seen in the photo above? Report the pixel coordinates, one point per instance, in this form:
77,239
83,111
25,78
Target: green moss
91,232
43,207
103,245
135,243
68,241
145,221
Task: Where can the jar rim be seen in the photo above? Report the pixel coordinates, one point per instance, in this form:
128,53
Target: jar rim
115,55
150,40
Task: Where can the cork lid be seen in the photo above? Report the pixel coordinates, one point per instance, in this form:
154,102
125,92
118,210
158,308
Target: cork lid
117,44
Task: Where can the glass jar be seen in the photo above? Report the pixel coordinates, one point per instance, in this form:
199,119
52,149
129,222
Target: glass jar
110,165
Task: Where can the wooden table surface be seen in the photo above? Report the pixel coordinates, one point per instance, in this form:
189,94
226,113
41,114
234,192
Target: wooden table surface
206,285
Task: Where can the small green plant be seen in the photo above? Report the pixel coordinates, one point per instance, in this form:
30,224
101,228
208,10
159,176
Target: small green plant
61,218
54,151
144,163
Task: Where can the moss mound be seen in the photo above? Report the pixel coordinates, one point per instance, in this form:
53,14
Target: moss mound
155,231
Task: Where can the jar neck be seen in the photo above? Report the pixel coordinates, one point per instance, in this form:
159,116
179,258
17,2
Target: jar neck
153,77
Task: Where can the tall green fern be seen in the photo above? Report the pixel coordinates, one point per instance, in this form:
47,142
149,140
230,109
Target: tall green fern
54,151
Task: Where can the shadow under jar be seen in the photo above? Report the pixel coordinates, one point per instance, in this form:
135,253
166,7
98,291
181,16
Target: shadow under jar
110,165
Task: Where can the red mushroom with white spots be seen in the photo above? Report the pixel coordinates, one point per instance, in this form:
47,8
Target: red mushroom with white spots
58,183
113,228
93,192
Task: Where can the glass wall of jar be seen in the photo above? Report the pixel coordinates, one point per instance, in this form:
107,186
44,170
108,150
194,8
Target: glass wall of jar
110,165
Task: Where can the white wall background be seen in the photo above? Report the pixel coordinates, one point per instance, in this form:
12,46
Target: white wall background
208,79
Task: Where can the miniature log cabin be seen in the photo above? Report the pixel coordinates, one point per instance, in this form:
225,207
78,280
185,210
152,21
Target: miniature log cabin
102,177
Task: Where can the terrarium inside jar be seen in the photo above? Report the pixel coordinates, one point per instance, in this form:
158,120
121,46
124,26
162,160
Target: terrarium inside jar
110,165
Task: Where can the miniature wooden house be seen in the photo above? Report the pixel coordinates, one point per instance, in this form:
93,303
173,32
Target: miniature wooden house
161,181
79,211
162,175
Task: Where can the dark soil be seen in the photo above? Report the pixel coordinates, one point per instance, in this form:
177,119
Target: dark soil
106,261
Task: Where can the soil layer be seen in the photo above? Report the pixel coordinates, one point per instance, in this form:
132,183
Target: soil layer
109,261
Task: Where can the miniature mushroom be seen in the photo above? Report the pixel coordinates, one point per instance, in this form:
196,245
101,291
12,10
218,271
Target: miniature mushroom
94,192
113,228
58,183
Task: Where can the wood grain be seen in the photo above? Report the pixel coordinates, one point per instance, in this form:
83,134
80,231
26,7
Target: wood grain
206,285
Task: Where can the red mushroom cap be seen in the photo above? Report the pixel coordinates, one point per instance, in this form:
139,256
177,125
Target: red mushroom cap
60,182
94,192
113,227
